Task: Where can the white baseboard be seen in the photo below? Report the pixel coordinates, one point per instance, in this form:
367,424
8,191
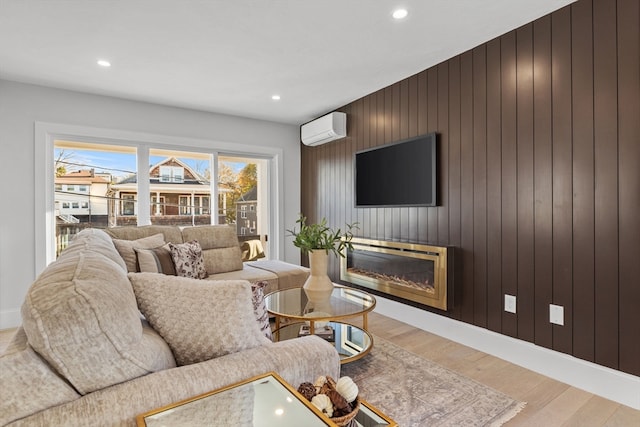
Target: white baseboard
10,318
602,381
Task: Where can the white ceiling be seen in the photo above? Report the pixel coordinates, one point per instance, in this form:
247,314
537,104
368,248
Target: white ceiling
232,56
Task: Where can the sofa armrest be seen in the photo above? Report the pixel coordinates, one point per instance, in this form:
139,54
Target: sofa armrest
297,360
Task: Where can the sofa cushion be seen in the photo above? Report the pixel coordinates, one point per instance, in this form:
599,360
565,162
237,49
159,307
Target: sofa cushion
251,274
96,240
187,260
199,319
171,233
126,249
156,260
220,247
289,275
29,385
81,316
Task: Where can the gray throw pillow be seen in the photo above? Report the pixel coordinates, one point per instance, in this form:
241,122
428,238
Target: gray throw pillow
126,248
156,260
199,319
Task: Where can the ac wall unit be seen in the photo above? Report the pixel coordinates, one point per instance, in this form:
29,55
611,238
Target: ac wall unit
324,129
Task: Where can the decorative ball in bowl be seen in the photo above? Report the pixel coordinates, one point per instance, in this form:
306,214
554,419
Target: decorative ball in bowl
337,400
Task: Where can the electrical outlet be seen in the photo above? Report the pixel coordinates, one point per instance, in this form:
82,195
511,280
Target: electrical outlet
556,314
509,303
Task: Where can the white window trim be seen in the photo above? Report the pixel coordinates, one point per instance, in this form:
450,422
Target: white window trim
46,133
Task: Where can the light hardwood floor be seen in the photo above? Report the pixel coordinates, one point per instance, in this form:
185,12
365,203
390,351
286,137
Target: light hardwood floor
549,403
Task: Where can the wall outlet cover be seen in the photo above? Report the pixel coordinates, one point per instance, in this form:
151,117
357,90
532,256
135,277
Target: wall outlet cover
556,314
509,303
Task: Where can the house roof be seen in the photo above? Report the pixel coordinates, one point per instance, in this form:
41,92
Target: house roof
81,177
191,177
250,196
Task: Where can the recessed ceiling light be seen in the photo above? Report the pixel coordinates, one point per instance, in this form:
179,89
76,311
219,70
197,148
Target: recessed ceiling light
276,97
104,63
400,13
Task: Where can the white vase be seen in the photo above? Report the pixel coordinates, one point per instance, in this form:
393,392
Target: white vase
318,286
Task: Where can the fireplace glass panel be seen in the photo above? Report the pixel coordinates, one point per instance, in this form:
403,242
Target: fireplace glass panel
413,273
410,271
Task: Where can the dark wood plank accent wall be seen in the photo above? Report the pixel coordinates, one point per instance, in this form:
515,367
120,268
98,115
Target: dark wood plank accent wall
539,178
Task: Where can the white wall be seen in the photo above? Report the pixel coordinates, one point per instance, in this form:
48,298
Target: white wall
22,105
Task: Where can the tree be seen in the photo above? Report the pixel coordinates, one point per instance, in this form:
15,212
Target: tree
61,161
226,175
239,183
247,178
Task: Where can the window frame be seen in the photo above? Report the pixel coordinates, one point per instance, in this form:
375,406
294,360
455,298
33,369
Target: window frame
47,133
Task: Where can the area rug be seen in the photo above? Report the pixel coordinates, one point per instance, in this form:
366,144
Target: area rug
418,392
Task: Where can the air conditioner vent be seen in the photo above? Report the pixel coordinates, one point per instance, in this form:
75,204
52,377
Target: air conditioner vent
324,129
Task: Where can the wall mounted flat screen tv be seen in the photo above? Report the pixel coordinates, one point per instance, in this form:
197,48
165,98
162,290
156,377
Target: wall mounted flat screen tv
403,173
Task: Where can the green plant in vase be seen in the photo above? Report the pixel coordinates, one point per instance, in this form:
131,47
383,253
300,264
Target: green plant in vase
318,240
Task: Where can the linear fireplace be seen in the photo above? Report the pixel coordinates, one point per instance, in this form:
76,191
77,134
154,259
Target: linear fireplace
410,271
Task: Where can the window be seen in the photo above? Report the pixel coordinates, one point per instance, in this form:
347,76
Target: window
171,174
157,205
252,207
75,205
127,205
243,215
185,205
117,156
82,188
201,205
243,207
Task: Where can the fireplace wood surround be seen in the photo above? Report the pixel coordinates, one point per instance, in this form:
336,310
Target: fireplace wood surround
414,272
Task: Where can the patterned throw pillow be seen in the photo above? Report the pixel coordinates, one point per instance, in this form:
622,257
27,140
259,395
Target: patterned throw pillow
188,260
199,319
260,309
156,260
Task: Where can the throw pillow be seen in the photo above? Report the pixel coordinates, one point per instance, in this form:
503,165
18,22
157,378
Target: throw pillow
199,320
260,309
188,260
126,248
156,260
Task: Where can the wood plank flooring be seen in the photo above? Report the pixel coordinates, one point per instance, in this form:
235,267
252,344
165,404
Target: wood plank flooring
549,403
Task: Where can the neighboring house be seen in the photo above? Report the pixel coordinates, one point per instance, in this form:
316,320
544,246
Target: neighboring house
82,196
178,195
246,213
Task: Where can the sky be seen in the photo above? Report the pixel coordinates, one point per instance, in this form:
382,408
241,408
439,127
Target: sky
123,164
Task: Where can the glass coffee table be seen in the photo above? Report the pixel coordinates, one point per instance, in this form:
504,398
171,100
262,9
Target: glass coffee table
297,315
262,401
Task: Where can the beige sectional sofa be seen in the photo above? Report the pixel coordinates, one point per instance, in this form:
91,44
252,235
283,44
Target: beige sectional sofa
222,254
85,356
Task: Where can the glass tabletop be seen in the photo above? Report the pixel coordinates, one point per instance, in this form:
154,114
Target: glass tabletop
350,341
262,401
343,302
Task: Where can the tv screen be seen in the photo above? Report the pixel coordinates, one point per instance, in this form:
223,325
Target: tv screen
398,174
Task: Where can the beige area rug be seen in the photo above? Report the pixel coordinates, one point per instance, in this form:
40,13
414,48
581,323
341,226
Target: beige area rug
418,392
